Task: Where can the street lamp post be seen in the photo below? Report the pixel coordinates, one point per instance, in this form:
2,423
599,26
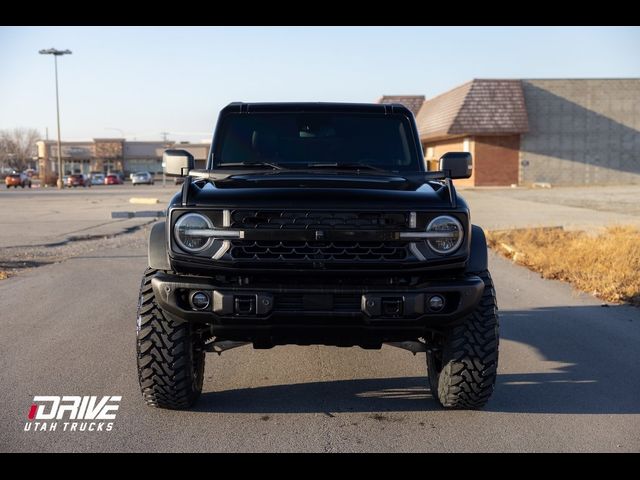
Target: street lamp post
56,54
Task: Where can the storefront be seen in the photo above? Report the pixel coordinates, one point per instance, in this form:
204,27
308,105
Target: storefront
110,155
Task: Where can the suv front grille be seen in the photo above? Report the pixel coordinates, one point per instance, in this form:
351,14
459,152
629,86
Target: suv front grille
319,251
273,219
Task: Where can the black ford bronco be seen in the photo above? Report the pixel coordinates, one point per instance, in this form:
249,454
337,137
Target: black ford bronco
317,223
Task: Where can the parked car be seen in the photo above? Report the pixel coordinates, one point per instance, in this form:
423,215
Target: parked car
317,223
97,179
140,178
17,179
78,180
112,179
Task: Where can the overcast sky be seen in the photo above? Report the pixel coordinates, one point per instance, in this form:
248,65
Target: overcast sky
141,81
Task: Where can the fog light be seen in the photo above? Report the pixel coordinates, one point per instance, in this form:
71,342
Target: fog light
436,303
199,300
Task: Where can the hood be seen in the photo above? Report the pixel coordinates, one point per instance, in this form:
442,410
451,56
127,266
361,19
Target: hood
322,191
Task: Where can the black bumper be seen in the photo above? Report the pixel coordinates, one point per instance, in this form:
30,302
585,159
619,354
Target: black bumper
282,307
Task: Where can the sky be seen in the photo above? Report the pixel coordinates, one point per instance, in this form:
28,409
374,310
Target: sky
138,82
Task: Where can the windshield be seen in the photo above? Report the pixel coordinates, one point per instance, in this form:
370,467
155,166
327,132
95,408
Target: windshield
302,140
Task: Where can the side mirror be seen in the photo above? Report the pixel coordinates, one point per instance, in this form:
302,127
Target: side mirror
456,164
177,162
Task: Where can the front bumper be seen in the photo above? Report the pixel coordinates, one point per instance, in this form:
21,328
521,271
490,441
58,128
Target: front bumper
244,308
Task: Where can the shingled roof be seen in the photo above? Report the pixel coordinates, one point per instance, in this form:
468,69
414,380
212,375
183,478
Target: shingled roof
412,102
479,107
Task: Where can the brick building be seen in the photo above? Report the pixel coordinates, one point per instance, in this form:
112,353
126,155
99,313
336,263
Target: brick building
558,131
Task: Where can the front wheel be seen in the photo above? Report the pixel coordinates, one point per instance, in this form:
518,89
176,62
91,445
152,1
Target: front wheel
464,365
170,354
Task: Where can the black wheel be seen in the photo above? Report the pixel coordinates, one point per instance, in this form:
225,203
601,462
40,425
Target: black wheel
463,367
21,185
170,355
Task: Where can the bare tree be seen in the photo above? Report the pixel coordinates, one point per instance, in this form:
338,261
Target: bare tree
18,147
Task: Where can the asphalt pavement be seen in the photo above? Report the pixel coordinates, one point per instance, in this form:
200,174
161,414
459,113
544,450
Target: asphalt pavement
573,208
569,377
45,216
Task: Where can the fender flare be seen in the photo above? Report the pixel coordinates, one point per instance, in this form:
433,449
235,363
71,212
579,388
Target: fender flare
157,250
478,258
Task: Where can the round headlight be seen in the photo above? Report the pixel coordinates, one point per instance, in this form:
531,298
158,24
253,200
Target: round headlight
450,237
186,235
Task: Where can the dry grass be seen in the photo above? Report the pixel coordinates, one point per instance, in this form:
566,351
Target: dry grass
606,265
3,275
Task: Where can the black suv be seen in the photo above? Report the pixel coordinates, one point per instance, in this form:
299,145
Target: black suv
317,223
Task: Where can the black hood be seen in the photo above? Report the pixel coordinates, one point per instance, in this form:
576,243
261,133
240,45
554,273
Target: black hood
322,191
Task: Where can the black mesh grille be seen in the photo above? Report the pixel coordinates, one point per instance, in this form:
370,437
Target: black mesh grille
319,251
317,220
309,251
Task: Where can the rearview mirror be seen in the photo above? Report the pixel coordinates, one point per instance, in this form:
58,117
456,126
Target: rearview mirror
177,162
456,164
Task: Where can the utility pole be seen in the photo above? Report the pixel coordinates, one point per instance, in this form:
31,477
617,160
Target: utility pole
56,54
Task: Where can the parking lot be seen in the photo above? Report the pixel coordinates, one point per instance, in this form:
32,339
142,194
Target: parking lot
568,380
46,215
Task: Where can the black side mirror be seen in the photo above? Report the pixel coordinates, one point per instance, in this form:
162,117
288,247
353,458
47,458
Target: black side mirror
456,164
177,162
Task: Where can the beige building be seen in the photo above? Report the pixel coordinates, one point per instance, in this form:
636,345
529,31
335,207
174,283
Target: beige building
110,155
557,131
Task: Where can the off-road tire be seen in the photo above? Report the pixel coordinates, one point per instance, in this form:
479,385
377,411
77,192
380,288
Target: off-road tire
462,372
170,355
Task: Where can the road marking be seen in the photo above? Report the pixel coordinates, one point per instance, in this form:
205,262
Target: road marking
144,200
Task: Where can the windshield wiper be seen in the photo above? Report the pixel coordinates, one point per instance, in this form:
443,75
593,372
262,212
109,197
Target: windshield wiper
273,166
348,166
